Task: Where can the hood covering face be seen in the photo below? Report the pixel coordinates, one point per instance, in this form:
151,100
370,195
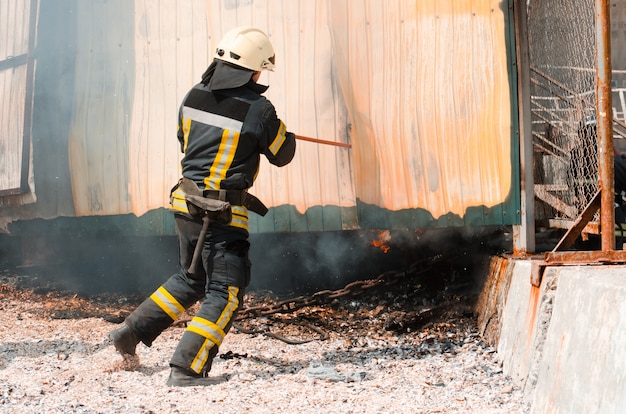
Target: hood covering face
222,75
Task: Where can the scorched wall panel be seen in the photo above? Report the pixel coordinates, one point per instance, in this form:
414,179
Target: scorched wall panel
428,89
421,90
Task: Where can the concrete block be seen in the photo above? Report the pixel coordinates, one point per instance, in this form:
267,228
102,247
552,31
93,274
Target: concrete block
583,363
515,335
525,318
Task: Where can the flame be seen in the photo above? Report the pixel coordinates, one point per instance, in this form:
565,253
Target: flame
382,238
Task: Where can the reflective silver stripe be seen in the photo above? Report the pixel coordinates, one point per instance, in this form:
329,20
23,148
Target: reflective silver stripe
212,119
240,210
177,201
203,355
213,332
167,303
279,139
206,329
223,159
231,307
239,217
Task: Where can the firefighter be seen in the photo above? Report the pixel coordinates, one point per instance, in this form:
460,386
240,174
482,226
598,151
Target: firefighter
224,125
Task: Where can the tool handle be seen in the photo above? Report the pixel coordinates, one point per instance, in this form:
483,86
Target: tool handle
197,253
322,141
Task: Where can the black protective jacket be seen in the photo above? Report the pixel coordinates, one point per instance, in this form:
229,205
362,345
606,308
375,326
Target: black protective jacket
222,134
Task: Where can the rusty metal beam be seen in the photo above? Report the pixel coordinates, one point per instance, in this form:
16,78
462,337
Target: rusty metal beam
581,222
593,227
605,124
585,258
542,192
598,257
560,85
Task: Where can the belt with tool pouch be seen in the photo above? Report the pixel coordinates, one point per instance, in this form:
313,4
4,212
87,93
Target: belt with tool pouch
237,198
219,201
214,206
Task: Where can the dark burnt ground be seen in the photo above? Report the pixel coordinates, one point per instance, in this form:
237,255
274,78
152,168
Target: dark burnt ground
438,300
46,301
435,296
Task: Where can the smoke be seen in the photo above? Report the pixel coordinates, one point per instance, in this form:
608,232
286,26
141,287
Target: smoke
306,262
285,263
91,265
303,262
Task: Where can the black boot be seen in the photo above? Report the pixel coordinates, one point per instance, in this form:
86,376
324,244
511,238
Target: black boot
124,340
180,377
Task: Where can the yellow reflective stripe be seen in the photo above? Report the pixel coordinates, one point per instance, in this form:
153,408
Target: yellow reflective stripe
239,217
213,332
207,329
279,139
177,201
186,129
223,159
201,357
231,307
620,229
167,303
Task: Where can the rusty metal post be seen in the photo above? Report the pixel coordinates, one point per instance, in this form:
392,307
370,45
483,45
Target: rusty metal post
605,124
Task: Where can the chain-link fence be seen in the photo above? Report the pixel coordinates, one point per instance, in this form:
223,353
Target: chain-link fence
561,37
562,48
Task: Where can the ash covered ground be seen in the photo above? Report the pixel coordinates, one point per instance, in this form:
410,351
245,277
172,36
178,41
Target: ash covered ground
404,340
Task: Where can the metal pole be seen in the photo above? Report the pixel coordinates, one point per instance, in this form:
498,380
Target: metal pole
605,124
524,234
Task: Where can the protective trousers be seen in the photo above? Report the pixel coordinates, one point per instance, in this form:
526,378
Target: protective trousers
220,285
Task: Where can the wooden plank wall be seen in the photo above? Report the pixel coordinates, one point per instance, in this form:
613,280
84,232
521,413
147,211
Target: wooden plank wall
305,94
428,93
173,44
14,32
103,84
419,88
171,53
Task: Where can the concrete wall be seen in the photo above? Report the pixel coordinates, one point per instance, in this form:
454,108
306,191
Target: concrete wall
563,343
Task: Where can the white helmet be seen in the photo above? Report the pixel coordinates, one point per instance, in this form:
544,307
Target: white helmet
247,47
